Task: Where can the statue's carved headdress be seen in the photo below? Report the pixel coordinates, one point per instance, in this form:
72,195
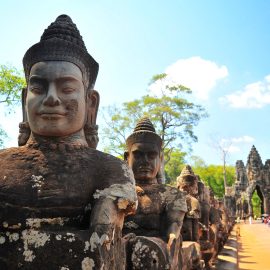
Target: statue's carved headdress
187,178
144,132
62,41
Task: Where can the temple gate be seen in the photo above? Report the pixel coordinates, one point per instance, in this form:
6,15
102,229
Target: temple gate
254,176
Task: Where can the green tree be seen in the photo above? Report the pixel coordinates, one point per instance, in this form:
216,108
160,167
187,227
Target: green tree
174,166
172,114
11,84
256,204
213,176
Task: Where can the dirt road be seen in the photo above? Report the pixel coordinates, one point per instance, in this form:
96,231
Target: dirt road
254,246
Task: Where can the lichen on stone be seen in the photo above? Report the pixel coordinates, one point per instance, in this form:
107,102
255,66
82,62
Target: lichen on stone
13,237
38,222
87,245
95,240
33,239
28,255
58,237
37,181
64,268
70,237
124,194
2,240
88,264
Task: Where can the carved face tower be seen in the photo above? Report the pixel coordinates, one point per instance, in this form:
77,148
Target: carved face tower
144,148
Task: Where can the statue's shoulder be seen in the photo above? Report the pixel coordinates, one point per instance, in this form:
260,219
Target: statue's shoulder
112,168
116,181
175,198
11,152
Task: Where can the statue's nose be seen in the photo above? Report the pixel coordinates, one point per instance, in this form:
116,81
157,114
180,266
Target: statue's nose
51,98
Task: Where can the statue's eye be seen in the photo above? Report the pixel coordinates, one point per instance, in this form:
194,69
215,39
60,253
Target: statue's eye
68,90
36,89
137,154
152,155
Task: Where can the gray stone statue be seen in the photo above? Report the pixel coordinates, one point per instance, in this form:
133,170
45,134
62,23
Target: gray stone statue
62,203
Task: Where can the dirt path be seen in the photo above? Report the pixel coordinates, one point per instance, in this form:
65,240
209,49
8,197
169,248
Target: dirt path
254,246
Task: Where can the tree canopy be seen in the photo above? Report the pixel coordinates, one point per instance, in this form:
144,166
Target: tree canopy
212,176
172,114
174,166
11,84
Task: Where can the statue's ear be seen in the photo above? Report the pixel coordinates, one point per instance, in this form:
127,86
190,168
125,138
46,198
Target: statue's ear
24,94
92,101
126,155
24,131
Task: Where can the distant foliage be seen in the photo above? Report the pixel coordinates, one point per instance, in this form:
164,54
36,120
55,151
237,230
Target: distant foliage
11,85
174,166
212,176
256,204
172,114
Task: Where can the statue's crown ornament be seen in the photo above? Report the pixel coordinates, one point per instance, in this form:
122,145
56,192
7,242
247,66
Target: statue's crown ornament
186,176
62,41
144,132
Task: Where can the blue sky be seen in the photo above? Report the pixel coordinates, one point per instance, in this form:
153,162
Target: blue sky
220,49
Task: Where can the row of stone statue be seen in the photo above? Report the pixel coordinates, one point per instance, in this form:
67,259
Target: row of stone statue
64,205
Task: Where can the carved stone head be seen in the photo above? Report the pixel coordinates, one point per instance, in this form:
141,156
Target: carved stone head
187,181
60,74
144,152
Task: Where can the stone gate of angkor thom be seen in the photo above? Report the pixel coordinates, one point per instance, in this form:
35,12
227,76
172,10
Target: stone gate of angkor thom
254,176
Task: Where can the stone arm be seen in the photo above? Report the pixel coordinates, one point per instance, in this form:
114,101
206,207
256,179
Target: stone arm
105,219
175,222
175,212
106,223
111,205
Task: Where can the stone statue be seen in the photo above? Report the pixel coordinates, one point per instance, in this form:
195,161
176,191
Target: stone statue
207,248
187,181
153,234
62,203
215,226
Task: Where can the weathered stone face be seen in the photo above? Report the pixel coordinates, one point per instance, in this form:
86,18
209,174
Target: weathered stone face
55,101
144,159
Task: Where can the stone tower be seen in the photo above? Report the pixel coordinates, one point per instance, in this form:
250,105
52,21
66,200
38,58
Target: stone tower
254,176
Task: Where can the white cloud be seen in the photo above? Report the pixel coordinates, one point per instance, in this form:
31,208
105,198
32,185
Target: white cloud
243,139
233,145
233,149
254,95
198,74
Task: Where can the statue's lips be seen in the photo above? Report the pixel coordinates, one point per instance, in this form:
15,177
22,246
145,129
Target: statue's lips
144,170
51,115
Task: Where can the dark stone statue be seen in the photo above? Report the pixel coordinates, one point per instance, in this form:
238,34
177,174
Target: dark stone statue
62,203
215,226
207,248
153,234
187,181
